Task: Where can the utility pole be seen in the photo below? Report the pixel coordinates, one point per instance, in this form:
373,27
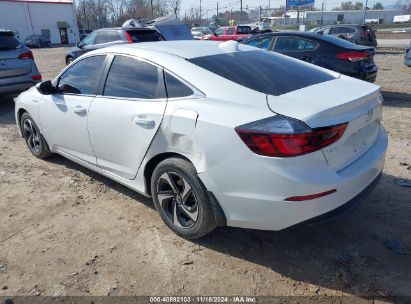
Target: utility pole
152,9
217,15
241,11
260,14
322,12
365,10
200,14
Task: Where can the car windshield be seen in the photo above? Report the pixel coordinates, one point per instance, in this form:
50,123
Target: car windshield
263,71
145,36
8,41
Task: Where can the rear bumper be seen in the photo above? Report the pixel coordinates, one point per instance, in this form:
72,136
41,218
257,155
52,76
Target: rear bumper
252,190
345,209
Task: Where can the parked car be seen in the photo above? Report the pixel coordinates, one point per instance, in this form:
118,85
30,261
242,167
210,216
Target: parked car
358,34
225,33
322,50
407,56
216,133
18,70
199,32
132,31
37,41
112,36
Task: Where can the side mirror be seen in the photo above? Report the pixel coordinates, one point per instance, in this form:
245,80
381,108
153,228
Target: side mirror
215,34
46,88
79,45
66,88
320,32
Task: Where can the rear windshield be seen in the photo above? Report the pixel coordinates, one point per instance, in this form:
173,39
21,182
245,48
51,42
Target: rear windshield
263,71
337,41
145,36
8,42
243,30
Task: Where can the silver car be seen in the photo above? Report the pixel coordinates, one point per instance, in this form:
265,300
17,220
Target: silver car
18,70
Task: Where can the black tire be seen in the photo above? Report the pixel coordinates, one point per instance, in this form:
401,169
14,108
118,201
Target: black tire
69,60
183,205
34,139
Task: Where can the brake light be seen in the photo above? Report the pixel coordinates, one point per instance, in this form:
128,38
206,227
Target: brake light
36,77
282,136
27,55
353,56
129,39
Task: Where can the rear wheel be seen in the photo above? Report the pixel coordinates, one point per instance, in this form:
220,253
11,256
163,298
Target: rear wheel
181,199
34,140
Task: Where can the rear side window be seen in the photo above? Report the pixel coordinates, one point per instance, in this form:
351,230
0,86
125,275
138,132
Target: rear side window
243,30
84,76
145,36
106,37
8,42
294,44
175,88
263,71
132,78
230,31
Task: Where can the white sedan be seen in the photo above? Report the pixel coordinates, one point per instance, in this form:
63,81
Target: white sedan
217,133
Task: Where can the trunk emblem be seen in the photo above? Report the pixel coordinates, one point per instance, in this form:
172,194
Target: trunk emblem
368,117
2,62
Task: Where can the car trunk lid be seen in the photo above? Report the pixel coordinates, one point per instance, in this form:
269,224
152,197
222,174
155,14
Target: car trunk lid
334,102
11,65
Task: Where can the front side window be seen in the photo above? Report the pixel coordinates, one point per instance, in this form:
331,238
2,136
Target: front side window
106,37
89,39
261,42
220,31
132,78
82,77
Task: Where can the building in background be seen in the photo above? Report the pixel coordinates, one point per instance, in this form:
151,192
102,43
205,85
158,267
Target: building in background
351,17
55,19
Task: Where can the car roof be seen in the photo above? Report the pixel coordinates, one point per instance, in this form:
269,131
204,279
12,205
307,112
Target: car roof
125,29
299,34
186,49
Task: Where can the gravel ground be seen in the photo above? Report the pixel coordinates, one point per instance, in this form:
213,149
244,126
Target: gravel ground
65,230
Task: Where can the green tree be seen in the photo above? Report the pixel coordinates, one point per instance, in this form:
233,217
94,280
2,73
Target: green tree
378,6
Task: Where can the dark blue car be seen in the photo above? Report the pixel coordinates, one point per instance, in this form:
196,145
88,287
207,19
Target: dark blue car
323,50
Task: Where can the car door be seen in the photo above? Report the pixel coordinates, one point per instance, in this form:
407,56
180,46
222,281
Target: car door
64,115
125,117
297,47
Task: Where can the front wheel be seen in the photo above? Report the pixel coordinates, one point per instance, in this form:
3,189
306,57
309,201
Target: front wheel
69,60
181,199
34,140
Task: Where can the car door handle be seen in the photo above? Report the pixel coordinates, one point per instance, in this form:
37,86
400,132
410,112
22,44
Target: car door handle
79,110
144,122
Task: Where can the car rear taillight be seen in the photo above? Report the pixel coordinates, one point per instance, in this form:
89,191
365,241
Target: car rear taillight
36,77
353,56
27,55
129,39
281,136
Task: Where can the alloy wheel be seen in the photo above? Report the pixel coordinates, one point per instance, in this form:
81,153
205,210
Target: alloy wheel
177,200
32,136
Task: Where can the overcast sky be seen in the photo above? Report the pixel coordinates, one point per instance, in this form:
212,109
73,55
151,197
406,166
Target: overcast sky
210,5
